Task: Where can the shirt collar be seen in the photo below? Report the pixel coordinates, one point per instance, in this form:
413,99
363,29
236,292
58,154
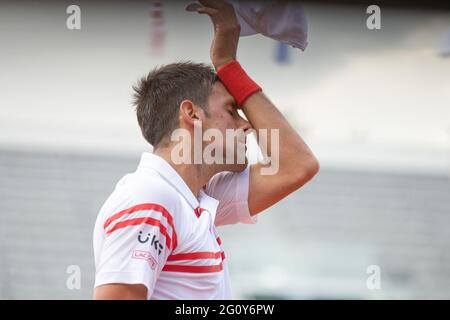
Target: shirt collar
165,170
208,203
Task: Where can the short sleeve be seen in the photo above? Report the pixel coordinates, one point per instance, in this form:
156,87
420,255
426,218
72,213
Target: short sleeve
231,189
137,241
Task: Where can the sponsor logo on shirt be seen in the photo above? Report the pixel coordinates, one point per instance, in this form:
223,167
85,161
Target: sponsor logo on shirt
145,255
154,243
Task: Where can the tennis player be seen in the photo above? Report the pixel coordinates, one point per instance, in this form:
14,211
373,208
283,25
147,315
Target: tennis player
155,236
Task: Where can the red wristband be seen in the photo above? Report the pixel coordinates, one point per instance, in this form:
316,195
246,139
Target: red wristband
237,82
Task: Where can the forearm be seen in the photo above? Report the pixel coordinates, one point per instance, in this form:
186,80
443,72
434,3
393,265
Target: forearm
293,156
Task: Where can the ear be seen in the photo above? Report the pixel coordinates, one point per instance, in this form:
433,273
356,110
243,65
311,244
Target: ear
189,112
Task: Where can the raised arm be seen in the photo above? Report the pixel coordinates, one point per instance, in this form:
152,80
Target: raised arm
295,161
292,162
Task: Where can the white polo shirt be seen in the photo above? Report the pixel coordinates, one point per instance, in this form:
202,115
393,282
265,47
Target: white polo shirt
152,230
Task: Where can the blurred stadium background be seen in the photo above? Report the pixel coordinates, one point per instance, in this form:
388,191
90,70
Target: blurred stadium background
374,105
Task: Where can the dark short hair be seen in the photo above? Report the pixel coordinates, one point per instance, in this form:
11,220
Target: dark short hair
158,96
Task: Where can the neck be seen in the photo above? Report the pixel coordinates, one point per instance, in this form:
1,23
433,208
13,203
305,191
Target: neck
194,175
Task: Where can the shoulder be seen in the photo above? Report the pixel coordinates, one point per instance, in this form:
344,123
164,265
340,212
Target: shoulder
141,191
141,201
148,186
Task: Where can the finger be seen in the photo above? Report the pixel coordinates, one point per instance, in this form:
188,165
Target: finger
192,7
196,7
209,11
212,3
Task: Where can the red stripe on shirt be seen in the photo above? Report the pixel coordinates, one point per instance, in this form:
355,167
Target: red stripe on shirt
194,256
139,221
142,207
193,269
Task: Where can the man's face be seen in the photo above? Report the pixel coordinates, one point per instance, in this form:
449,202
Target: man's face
223,115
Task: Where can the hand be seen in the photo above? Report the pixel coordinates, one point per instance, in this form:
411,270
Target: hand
226,29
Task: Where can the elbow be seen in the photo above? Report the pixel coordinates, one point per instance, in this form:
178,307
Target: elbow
306,170
314,167
311,168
